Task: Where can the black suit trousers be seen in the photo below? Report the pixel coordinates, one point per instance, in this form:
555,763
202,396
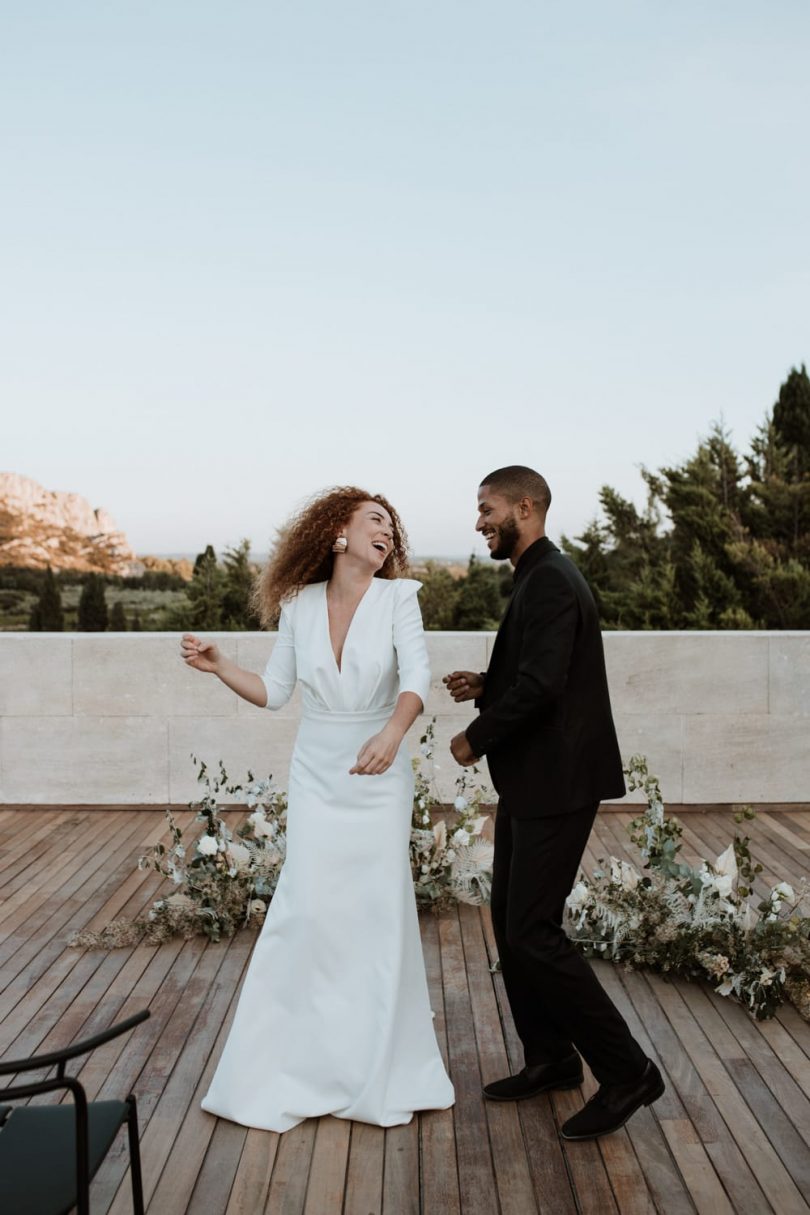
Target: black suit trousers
557,1002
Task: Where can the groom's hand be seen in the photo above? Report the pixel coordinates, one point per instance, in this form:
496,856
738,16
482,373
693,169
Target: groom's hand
461,751
464,685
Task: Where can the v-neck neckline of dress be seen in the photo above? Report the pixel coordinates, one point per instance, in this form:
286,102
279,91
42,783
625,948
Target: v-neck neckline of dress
360,602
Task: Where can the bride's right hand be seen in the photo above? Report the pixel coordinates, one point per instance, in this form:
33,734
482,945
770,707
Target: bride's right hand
199,654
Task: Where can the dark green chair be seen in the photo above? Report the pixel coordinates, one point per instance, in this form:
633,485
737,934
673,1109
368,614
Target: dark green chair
50,1153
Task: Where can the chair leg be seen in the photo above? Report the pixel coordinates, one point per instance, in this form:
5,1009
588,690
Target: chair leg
134,1156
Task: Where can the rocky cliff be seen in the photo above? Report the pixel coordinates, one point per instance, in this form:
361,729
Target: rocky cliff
39,527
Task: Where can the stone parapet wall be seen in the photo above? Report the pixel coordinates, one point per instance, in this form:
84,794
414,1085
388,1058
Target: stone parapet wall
102,719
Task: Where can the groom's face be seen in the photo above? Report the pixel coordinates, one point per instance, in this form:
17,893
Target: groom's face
497,523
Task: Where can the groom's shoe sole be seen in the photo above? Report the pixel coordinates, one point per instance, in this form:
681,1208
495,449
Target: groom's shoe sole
535,1092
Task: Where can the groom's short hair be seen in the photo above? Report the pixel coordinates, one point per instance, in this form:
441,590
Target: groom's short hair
516,481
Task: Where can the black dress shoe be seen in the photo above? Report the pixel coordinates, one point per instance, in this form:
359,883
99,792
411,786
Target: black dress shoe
613,1104
537,1078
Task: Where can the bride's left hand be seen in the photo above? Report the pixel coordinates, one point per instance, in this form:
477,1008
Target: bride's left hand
377,755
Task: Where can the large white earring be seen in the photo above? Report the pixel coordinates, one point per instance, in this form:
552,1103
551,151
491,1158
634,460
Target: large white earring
340,545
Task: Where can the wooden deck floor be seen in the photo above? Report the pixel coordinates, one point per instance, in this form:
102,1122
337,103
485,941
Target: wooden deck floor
732,1132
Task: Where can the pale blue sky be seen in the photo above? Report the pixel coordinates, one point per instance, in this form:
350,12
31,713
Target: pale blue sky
255,249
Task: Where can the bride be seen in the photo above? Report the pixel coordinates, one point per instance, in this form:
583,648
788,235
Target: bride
334,1015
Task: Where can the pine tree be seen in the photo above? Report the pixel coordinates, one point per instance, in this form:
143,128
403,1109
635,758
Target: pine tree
93,616
724,542
239,576
118,619
205,593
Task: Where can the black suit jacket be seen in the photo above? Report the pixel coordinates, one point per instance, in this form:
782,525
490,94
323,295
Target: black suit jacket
545,723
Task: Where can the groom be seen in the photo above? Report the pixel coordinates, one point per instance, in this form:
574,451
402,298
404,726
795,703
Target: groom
546,728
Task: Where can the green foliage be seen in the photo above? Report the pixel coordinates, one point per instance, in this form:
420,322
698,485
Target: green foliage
238,578
51,616
118,618
205,593
439,596
479,604
695,921
724,540
93,616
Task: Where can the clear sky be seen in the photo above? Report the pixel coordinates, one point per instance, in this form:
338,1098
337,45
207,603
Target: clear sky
253,249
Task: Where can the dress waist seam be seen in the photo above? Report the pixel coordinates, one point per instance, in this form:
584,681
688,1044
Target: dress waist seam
338,716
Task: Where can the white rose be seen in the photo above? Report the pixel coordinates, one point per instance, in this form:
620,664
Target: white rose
461,836
261,828
450,855
578,896
461,803
207,846
240,856
784,890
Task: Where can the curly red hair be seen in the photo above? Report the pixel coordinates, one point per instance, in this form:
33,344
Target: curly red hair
303,552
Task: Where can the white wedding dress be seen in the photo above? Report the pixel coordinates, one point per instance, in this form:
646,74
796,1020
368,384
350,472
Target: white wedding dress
334,1015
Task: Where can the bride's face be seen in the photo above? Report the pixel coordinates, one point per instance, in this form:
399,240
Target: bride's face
370,535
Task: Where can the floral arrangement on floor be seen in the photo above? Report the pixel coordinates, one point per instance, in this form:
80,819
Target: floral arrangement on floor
699,923
449,865
230,881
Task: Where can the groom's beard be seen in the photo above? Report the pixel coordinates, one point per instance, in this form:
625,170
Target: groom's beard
508,536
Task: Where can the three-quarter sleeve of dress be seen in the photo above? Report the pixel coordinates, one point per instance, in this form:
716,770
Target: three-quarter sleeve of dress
280,674
409,641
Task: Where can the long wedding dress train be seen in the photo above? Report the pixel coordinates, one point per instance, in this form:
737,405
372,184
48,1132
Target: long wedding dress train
334,1015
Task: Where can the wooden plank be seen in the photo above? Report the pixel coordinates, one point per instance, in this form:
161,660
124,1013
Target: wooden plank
22,851
668,1186
22,908
288,1181
401,1194
544,1150
252,1180
437,1135
179,1131
771,1173
690,1155
512,1175
68,907
364,1175
327,1169
476,1177
216,1177
775,1075
687,1098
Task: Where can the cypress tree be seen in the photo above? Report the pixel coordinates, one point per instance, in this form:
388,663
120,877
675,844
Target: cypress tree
136,623
118,619
93,616
52,618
